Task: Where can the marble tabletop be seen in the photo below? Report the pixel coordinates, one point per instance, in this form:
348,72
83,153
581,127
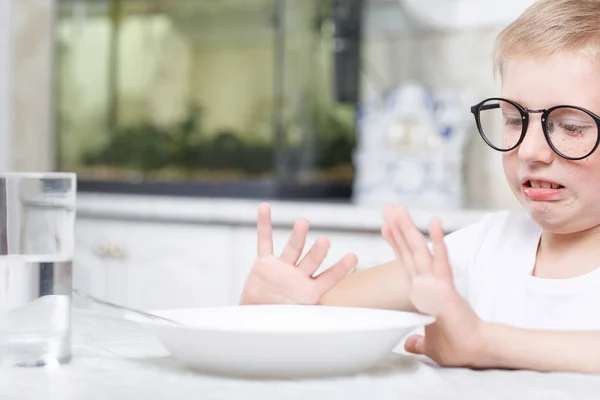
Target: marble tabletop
117,359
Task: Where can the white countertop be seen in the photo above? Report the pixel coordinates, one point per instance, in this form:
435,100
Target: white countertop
116,359
335,216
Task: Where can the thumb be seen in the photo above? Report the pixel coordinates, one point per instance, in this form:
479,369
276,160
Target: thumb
415,344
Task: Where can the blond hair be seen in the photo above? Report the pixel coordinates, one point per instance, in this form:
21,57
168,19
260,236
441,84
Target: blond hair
548,27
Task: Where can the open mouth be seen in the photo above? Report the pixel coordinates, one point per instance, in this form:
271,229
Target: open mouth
542,185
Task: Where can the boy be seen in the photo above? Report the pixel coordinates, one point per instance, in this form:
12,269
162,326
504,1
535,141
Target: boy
512,291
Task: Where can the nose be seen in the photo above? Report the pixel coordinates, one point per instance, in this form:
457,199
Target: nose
534,148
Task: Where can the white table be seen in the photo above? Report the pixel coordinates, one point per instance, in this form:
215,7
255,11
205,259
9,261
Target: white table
115,359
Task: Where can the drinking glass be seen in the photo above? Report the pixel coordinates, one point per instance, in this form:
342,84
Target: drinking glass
37,222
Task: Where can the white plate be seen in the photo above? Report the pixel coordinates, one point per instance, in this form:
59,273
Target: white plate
279,341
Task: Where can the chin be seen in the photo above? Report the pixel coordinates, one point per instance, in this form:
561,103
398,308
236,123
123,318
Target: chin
560,217
550,222
556,218
550,216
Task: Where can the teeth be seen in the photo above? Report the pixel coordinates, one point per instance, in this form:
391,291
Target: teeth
543,185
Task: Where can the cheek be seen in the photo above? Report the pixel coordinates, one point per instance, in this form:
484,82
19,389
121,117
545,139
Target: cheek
585,171
583,179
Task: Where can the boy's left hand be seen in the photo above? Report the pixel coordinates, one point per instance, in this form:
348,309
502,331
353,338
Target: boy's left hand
456,338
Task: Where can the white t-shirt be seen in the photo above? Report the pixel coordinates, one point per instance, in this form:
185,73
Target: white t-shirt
492,262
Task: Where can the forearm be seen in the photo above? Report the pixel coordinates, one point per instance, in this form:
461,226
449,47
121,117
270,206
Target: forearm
385,286
513,348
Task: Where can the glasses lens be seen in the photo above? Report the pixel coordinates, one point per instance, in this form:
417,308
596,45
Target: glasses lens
572,132
501,123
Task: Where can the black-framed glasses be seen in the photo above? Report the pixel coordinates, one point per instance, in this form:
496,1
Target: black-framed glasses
571,131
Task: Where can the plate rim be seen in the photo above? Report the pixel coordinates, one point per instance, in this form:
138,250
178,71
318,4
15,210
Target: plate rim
423,320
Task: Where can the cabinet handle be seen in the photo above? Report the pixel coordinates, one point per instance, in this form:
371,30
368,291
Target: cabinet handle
101,249
105,250
116,252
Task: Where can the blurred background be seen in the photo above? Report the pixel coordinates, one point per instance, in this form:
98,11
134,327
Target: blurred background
180,116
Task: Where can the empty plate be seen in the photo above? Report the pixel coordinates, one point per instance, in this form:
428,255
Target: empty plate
282,341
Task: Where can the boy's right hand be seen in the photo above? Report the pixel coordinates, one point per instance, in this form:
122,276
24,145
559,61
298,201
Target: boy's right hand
287,279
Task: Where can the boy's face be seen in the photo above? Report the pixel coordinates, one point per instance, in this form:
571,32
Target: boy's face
564,79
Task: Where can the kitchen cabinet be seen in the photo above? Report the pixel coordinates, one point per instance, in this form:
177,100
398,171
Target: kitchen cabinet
154,265
91,262
161,252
